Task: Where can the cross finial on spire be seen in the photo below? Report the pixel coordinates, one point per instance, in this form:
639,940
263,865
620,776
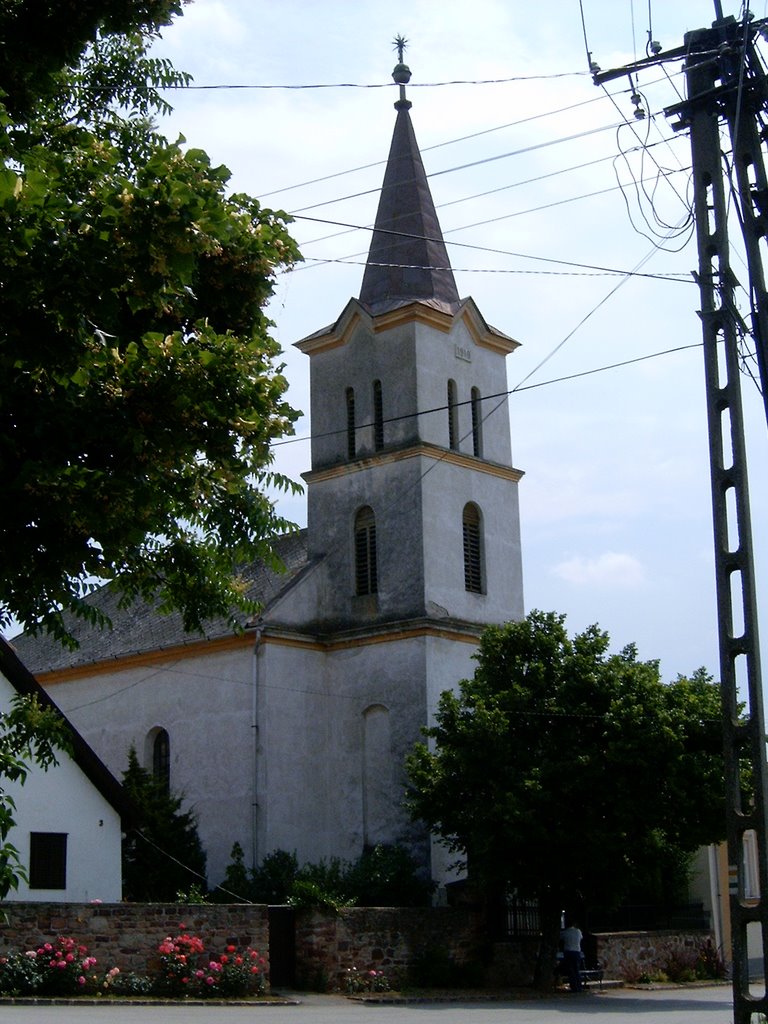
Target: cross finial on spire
402,73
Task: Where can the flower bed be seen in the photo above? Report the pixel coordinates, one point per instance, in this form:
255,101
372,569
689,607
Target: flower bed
186,969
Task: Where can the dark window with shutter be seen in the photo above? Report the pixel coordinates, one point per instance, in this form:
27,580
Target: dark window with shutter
161,759
378,416
477,423
453,425
473,554
366,581
48,860
351,447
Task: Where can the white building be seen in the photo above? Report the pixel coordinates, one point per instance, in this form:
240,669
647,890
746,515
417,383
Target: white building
293,734
67,818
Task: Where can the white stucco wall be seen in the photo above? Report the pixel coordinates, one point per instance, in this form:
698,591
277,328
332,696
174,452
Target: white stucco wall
204,702
63,799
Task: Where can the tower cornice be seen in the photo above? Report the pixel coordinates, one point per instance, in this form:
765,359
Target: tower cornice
339,333
421,450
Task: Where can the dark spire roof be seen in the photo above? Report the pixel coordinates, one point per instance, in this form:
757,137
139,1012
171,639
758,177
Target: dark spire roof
407,261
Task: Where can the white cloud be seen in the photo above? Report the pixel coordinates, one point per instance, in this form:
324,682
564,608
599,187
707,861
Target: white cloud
610,569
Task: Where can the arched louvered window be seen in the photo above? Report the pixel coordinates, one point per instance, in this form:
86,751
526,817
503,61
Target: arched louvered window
366,573
477,423
453,419
161,758
378,416
351,447
473,549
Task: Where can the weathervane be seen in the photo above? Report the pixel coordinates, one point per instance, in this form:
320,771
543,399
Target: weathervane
402,73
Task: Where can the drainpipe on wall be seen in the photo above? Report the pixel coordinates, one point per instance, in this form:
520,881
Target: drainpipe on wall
716,899
255,747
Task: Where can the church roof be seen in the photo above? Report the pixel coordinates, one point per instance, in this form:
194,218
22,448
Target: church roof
25,684
141,627
407,261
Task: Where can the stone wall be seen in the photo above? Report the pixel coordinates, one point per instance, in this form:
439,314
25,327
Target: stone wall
381,939
628,955
126,935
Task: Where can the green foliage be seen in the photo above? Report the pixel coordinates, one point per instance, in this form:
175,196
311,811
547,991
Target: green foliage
196,894
126,983
306,893
382,876
139,393
387,876
29,734
164,854
563,771
59,968
434,967
40,37
356,981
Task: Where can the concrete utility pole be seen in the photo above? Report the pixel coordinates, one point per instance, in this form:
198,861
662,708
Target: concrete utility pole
726,81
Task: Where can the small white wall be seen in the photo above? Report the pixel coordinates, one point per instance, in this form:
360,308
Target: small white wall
63,799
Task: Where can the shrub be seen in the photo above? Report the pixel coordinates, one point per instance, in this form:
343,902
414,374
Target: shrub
365,981
187,970
433,967
126,984
710,963
384,876
57,968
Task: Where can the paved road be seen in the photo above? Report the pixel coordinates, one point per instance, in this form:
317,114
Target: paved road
692,1006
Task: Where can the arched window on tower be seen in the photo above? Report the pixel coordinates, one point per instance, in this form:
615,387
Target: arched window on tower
378,416
161,759
473,549
366,573
477,423
453,419
350,400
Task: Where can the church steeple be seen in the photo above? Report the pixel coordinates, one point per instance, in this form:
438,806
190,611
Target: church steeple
408,261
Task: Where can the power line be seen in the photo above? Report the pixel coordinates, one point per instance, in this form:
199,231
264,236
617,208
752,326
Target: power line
466,245
518,388
448,142
674,278
298,87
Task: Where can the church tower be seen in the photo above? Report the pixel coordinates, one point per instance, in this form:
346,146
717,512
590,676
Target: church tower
412,494
413,526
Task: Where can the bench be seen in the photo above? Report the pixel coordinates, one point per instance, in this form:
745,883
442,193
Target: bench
587,974
593,973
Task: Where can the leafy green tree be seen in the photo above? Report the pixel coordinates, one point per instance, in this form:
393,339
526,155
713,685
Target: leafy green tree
163,854
39,37
139,394
384,876
562,771
30,734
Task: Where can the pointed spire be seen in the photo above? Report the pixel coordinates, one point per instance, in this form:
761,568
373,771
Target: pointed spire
408,261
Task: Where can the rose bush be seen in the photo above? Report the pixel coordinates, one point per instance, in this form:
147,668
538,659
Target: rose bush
57,968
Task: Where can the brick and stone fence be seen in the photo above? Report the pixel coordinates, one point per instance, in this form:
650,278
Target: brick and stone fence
126,935
629,955
328,945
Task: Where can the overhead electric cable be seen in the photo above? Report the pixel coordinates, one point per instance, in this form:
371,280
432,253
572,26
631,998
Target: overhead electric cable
519,388
461,245
675,278
439,145
298,87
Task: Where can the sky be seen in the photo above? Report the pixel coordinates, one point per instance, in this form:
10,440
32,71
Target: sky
549,191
